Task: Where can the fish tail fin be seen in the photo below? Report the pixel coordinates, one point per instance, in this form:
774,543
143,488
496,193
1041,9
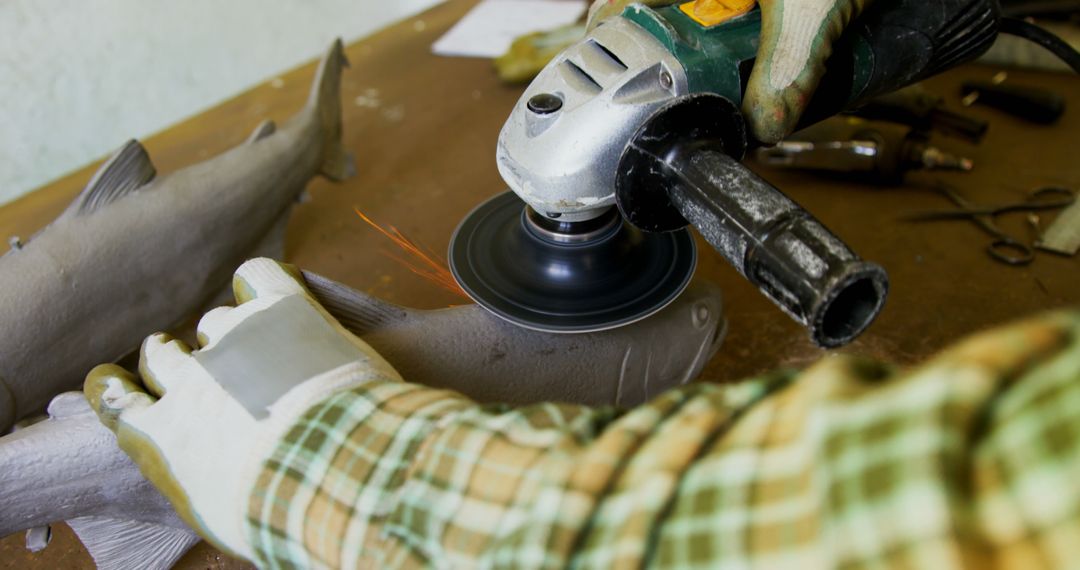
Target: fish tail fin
325,101
358,312
118,544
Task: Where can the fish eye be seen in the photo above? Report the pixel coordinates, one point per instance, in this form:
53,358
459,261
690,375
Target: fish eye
700,315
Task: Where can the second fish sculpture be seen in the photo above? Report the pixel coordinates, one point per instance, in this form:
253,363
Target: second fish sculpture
137,253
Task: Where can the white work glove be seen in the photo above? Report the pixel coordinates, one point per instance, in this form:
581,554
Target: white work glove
214,414
796,41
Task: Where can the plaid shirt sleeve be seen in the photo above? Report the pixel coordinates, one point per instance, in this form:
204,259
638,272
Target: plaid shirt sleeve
969,461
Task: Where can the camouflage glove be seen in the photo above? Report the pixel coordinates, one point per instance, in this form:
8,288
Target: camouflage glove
796,41
214,414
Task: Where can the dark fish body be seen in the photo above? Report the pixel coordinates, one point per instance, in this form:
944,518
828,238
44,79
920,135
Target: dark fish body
490,360
135,254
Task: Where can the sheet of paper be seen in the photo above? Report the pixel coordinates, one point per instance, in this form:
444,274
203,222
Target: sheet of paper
1064,234
489,28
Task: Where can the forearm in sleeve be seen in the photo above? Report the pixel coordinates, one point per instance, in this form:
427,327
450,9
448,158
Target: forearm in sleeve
398,475
969,459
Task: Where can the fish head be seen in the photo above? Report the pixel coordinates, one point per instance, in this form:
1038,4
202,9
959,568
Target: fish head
671,347
699,326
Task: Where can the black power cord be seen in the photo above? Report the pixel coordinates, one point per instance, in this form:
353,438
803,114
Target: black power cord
1057,9
1033,33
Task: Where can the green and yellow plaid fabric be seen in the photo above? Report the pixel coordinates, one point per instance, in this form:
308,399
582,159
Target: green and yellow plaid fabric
970,461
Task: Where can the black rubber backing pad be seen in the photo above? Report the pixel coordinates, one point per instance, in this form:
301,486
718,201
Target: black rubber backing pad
541,285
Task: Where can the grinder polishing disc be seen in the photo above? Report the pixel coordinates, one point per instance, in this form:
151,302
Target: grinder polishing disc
599,275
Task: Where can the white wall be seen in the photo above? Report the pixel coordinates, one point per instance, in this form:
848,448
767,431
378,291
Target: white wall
79,77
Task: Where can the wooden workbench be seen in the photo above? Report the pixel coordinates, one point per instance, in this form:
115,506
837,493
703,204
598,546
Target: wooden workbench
424,129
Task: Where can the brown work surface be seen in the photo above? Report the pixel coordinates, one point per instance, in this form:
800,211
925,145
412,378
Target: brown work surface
424,129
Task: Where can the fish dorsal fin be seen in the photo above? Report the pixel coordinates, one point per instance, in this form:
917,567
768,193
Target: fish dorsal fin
126,171
358,312
265,129
116,544
272,245
69,405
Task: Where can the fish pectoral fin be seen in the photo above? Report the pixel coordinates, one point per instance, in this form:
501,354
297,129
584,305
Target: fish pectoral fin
265,129
272,244
358,312
69,405
116,544
38,538
126,171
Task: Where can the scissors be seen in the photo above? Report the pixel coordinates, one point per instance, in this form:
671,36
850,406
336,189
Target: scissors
1003,248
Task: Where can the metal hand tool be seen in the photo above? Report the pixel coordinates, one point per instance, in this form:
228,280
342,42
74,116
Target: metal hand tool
878,153
922,111
1003,248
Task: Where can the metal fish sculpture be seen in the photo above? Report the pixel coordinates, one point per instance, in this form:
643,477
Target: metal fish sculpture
137,253
471,351
70,467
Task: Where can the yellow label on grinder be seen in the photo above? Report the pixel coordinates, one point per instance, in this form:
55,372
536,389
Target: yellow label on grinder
710,13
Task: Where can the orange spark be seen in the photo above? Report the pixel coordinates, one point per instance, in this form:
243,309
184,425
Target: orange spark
423,262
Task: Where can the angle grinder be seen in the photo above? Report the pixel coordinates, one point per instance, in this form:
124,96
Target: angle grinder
635,132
